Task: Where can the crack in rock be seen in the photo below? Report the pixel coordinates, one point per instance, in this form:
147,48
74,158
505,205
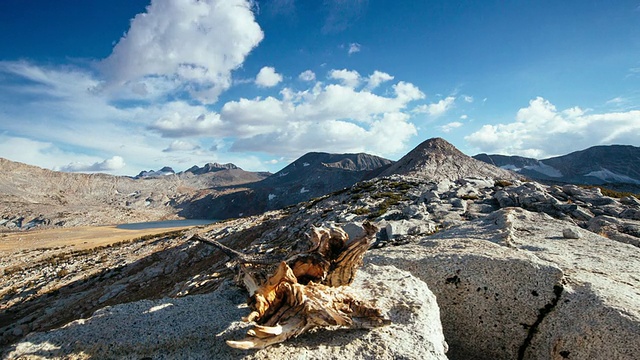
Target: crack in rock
542,313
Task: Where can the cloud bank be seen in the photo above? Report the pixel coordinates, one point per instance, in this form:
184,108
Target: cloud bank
336,117
114,163
540,130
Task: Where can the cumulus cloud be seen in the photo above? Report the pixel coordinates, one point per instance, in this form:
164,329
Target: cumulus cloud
307,75
65,122
324,117
450,126
181,145
350,78
354,48
437,109
114,163
540,131
268,77
187,121
377,78
191,45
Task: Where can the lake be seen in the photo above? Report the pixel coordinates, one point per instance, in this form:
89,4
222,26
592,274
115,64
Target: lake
165,224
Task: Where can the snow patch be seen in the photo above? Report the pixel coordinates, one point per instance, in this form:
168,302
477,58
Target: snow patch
545,169
284,174
303,190
272,196
305,164
608,175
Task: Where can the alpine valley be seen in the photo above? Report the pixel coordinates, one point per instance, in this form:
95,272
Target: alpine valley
491,257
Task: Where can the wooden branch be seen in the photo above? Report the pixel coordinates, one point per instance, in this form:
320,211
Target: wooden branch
235,255
310,290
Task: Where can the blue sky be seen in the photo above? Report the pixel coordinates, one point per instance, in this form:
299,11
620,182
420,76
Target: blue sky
121,86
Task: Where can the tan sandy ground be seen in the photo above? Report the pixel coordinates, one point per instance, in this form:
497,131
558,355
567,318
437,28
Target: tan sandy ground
20,249
75,238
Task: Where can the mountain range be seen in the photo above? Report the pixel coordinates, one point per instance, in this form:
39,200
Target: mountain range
616,166
33,197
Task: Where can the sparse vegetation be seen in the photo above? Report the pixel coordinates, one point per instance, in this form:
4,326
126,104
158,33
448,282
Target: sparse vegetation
611,193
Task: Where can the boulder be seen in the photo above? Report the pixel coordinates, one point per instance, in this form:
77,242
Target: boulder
197,326
633,214
504,199
509,287
610,227
409,227
570,233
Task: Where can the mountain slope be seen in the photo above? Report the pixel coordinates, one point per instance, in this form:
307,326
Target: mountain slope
597,165
310,176
436,159
31,196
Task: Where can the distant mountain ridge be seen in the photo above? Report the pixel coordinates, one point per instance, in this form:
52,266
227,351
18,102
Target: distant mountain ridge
211,167
312,175
31,195
598,165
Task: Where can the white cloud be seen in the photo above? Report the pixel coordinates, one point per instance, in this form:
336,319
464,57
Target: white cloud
181,145
617,100
354,48
437,109
540,131
377,78
323,118
179,119
464,117
467,98
350,78
307,75
114,163
450,126
192,45
63,114
268,77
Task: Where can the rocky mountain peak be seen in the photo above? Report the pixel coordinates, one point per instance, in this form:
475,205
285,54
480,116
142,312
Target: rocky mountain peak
438,145
211,167
167,170
437,159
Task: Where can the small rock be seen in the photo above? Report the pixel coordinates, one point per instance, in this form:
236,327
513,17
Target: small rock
630,214
459,203
569,233
630,200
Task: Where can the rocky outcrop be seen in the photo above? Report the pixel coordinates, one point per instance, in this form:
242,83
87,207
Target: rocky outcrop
170,328
519,270
512,287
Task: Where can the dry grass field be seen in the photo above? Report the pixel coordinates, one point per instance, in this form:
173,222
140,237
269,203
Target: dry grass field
72,238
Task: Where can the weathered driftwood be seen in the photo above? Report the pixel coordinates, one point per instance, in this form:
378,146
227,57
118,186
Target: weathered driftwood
307,290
